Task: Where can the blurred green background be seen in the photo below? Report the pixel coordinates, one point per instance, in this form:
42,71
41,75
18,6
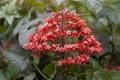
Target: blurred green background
18,18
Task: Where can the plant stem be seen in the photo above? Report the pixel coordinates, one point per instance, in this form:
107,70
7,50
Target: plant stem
111,41
81,74
39,70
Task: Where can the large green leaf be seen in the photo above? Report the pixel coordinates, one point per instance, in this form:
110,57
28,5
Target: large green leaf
94,5
30,76
13,71
113,13
24,32
102,75
33,22
16,63
14,58
26,29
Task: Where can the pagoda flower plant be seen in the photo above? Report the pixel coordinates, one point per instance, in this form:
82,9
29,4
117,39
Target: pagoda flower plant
67,36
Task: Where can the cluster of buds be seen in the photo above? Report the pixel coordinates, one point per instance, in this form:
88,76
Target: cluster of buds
50,37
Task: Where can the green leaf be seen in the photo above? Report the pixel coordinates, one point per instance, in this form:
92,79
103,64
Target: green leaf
49,69
110,1
17,60
2,76
112,13
23,31
59,2
30,23
26,29
24,34
38,5
2,29
33,22
30,76
9,11
22,22
13,71
53,74
89,74
71,78
95,66
107,75
102,75
94,5
16,63
9,19
115,75
96,75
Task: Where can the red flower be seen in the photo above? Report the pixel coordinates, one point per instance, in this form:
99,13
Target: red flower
82,59
51,37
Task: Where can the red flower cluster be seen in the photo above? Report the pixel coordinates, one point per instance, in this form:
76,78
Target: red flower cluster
50,37
74,60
